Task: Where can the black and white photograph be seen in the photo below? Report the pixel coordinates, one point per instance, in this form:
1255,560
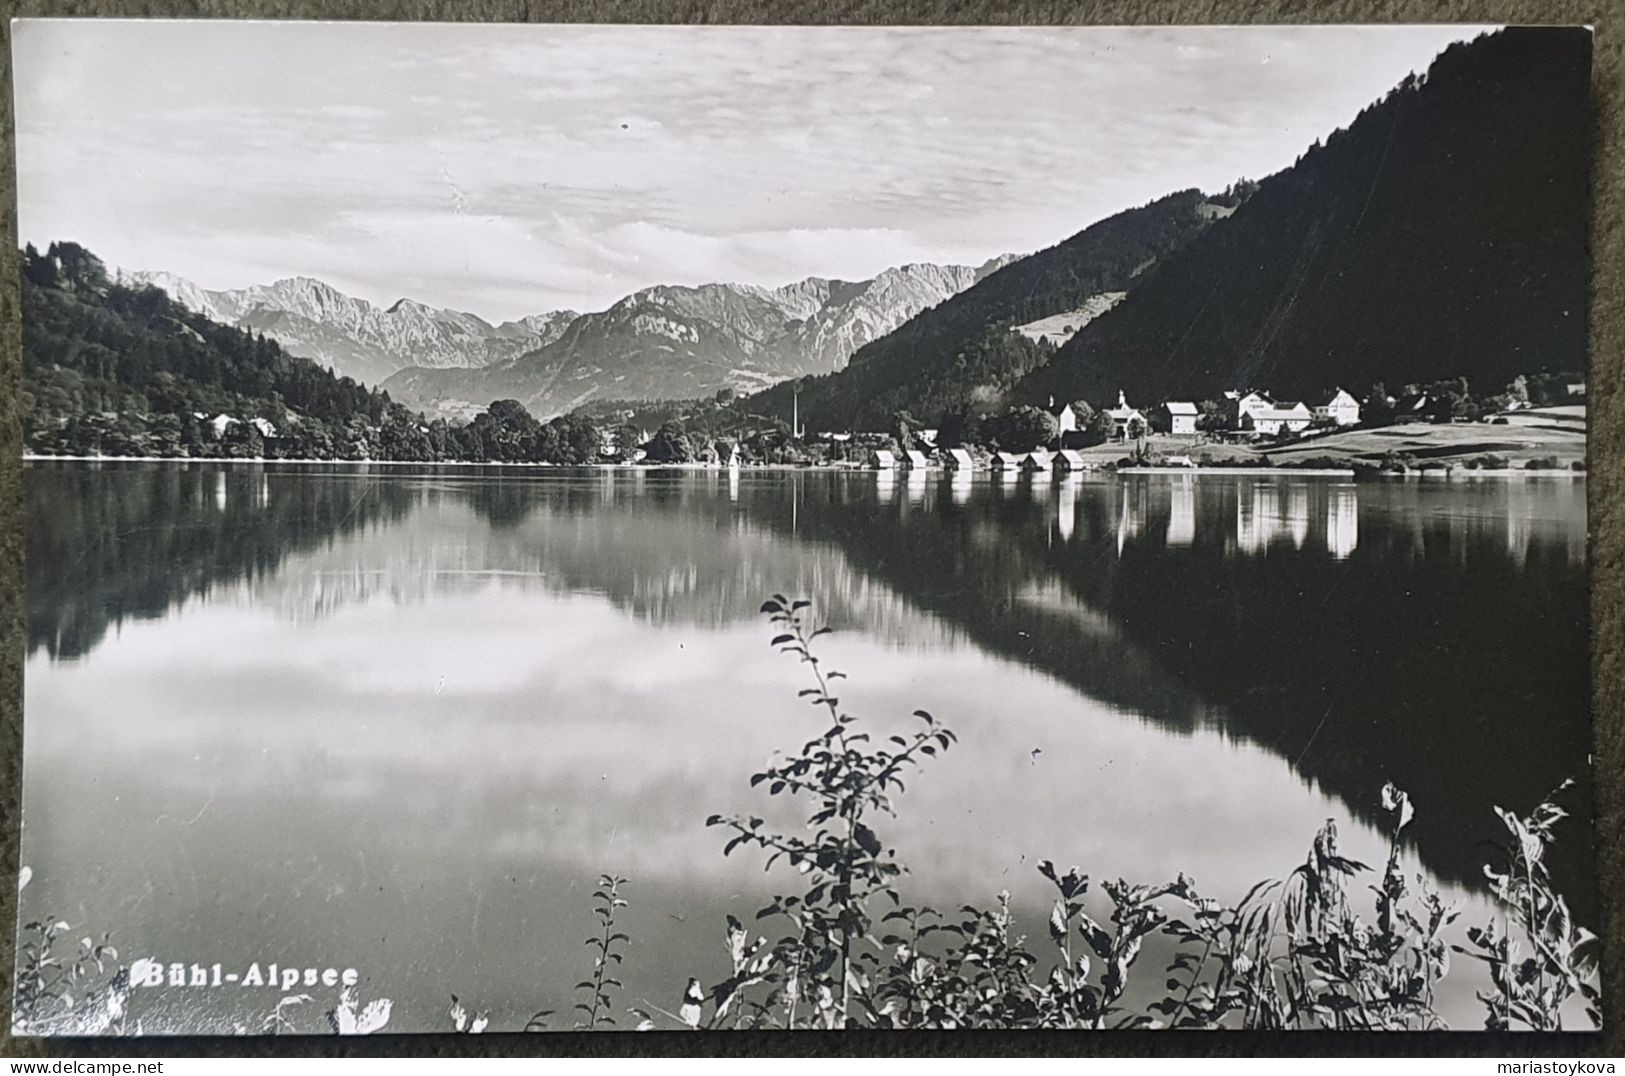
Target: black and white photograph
542,528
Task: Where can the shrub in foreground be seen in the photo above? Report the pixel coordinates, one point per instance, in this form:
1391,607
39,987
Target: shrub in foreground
1293,953
850,951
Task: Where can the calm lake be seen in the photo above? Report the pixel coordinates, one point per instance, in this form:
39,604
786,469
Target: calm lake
401,718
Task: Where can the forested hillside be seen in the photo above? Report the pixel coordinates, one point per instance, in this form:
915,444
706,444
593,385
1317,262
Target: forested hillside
129,371
1443,233
963,350
110,370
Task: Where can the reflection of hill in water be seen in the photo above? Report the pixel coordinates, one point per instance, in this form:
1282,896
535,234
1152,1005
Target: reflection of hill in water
1430,635
1433,635
669,549
104,543
666,564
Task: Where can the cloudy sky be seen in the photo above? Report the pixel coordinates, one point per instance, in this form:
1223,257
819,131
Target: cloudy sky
513,169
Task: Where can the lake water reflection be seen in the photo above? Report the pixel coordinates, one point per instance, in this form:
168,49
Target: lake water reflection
401,718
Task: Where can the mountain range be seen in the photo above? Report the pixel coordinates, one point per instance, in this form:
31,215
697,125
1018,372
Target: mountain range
663,342
683,342
352,337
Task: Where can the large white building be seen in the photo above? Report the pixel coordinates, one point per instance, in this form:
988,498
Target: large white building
1282,416
1339,407
1238,405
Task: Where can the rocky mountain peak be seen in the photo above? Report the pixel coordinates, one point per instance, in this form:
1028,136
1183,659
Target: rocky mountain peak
353,337
660,341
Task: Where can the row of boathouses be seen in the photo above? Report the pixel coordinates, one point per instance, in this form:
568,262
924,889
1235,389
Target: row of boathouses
1065,460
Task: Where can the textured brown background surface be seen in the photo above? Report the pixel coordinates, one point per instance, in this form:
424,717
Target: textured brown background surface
1606,486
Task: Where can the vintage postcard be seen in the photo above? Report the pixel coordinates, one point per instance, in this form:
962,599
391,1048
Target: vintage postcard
549,527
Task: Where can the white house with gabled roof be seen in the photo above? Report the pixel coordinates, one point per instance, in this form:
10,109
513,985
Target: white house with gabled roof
1123,416
1270,421
1238,405
1339,407
1178,417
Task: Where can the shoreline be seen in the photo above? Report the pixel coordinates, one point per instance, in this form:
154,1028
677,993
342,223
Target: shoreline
1349,472
1501,472
32,457
1308,472
1452,473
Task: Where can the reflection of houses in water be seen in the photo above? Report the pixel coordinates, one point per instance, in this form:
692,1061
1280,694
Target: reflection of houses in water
1520,528
1308,514
1542,514
885,485
1267,512
1131,521
1296,521
1066,512
249,490
1003,484
1257,517
733,484
1270,513
1182,512
1342,521
959,488
916,486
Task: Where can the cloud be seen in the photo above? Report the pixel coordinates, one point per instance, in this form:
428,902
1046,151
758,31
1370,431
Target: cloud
511,169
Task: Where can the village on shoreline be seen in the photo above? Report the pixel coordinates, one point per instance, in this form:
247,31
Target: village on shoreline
1534,423
1250,433
1421,432
1534,442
